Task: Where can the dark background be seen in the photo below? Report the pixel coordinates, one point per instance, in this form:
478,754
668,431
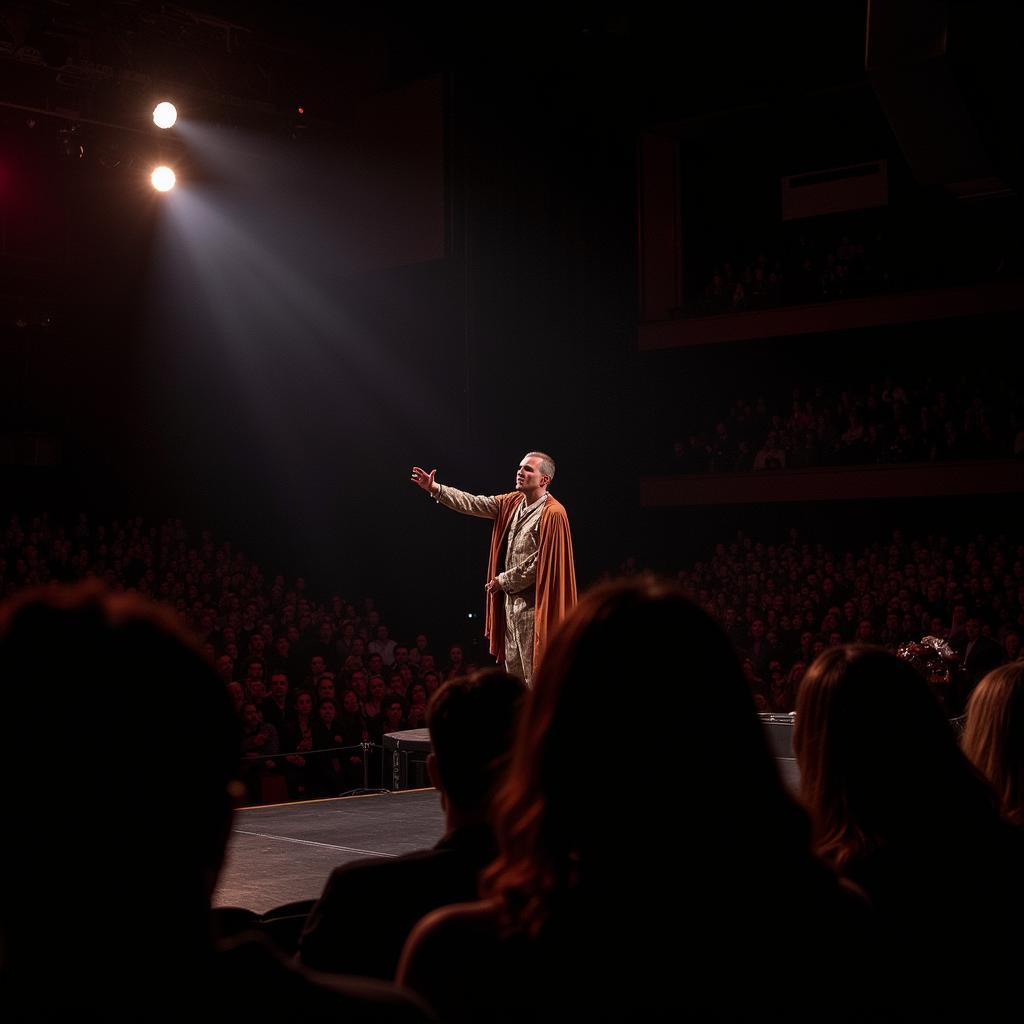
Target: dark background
497,313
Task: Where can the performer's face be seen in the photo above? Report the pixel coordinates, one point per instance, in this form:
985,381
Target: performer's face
528,475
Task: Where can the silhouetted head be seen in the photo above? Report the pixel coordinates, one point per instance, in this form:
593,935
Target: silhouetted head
589,785
472,721
994,736
878,760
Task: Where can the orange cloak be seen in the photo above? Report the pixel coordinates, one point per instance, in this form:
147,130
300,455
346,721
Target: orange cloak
556,574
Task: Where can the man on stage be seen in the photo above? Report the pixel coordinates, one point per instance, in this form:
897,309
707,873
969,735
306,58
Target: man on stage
532,546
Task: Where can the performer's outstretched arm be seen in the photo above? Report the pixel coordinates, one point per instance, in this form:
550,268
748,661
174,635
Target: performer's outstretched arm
483,505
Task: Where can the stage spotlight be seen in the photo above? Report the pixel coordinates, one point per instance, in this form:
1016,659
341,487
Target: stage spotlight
163,179
165,115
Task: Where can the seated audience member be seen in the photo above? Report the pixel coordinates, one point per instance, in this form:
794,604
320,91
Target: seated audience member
257,691
299,733
373,709
1011,646
417,706
254,675
325,688
326,772
368,907
899,811
455,663
587,913
394,716
383,646
225,668
353,732
277,708
358,684
124,921
979,654
236,694
298,744
993,739
259,743
317,670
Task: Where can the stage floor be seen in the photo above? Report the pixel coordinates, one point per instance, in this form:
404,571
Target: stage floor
285,852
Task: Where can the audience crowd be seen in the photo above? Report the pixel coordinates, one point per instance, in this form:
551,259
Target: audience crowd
885,421
538,902
783,604
866,252
311,681
814,268
122,822
316,683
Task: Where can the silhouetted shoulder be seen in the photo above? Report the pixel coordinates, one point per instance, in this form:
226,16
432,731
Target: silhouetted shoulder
464,933
250,977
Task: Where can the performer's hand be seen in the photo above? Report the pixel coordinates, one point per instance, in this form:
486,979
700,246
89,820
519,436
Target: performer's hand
493,586
421,478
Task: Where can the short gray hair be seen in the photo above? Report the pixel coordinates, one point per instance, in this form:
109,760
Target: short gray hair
547,464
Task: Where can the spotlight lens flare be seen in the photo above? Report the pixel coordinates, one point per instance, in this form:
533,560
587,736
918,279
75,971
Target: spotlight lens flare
163,179
165,115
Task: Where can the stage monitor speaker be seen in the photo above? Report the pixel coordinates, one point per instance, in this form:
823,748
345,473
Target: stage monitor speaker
779,729
405,756
949,116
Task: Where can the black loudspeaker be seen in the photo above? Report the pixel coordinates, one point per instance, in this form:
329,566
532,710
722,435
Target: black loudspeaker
405,756
948,84
779,729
